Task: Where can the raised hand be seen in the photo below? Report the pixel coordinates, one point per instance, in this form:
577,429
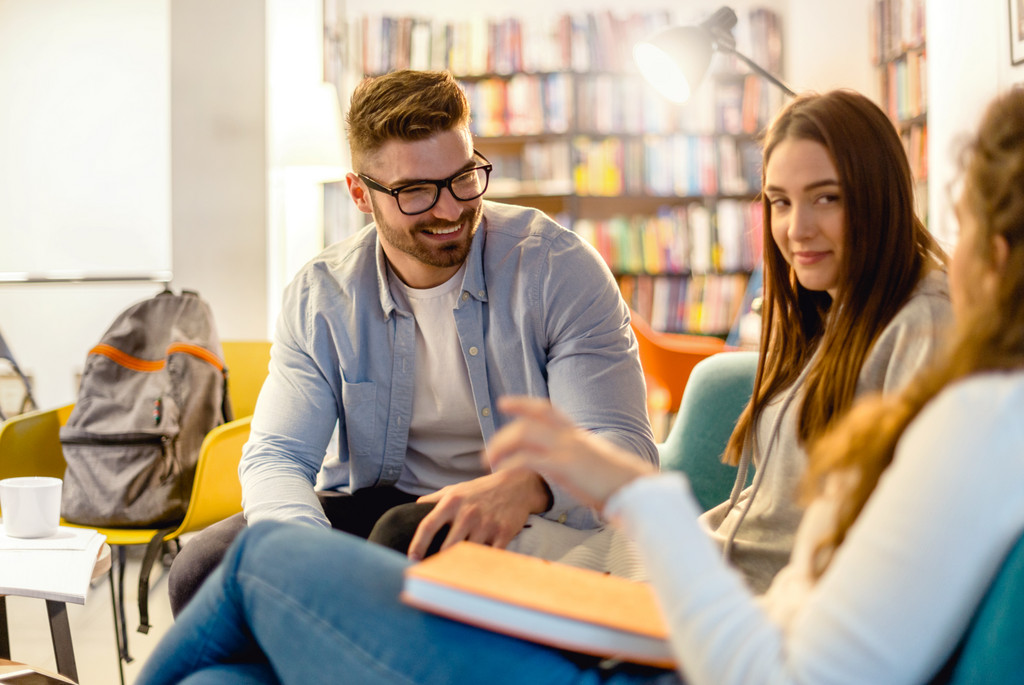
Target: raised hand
547,441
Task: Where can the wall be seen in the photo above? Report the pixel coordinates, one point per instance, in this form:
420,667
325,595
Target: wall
218,159
84,170
828,46
123,119
83,130
968,65
294,57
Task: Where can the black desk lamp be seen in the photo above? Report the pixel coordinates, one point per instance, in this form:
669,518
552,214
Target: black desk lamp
676,59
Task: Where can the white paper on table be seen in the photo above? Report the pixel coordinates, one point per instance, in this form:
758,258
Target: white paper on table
57,573
66,537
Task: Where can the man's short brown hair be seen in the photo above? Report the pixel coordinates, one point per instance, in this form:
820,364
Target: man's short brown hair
407,105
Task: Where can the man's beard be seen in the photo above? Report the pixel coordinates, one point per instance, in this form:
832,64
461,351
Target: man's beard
448,254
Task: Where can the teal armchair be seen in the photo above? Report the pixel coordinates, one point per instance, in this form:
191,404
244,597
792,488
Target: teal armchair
992,651
718,389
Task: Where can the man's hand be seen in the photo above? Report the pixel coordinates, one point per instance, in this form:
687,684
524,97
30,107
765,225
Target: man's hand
490,510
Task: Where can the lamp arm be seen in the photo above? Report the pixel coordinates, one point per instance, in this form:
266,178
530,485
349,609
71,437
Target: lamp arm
755,67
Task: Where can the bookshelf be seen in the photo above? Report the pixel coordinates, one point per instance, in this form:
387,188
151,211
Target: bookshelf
900,56
668,194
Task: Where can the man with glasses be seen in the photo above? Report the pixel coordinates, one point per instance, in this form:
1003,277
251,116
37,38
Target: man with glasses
405,335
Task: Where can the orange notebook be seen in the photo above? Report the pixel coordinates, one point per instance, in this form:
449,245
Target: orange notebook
542,601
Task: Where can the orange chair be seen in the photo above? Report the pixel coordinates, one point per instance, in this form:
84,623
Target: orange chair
668,358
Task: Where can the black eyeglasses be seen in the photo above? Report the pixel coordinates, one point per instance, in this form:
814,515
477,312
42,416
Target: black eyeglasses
421,196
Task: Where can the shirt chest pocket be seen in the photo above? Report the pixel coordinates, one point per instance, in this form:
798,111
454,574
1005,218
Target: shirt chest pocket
359,406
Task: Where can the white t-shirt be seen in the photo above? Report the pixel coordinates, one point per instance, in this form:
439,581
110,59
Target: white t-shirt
445,439
899,592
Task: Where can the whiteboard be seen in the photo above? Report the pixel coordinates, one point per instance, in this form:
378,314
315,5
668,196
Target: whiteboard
85,137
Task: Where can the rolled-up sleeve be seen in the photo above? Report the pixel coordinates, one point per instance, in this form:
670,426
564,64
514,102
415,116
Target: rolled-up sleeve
593,365
293,422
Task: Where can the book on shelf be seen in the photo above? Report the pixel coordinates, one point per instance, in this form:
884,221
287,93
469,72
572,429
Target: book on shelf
420,51
542,601
697,304
752,117
58,567
729,105
724,236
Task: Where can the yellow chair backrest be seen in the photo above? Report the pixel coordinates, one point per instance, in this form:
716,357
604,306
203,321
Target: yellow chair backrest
247,362
216,491
30,444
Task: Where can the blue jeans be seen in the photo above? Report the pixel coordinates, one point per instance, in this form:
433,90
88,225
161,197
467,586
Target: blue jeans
296,604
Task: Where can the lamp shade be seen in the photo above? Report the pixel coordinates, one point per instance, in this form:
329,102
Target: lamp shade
310,133
675,60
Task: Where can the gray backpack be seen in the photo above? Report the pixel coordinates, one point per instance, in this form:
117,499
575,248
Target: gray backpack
152,389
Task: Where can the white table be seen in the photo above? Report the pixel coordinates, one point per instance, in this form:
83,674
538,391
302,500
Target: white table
60,629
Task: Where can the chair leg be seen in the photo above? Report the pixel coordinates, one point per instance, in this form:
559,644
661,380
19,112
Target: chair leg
5,642
117,627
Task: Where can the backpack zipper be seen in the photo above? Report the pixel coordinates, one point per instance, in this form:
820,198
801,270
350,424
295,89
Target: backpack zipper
152,365
198,352
117,439
169,465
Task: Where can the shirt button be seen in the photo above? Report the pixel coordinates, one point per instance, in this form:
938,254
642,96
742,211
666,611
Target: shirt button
480,293
486,411
465,296
473,351
563,518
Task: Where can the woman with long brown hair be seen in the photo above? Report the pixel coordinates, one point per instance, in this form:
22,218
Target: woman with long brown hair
855,303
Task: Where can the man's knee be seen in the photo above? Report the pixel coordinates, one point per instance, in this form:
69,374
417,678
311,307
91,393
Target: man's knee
197,559
397,526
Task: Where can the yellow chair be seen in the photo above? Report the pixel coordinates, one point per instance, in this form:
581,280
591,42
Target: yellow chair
30,446
34,434
247,362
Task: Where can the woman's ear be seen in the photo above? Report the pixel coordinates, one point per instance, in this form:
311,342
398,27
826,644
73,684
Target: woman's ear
1000,253
992,273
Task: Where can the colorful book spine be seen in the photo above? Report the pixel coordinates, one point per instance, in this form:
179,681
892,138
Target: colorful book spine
695,238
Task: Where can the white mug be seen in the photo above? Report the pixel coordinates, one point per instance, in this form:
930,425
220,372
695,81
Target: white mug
30,506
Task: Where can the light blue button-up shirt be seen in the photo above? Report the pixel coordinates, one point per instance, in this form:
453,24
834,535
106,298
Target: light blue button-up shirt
539,314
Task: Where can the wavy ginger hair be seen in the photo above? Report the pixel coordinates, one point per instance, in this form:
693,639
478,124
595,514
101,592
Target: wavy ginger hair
886,252
989,337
